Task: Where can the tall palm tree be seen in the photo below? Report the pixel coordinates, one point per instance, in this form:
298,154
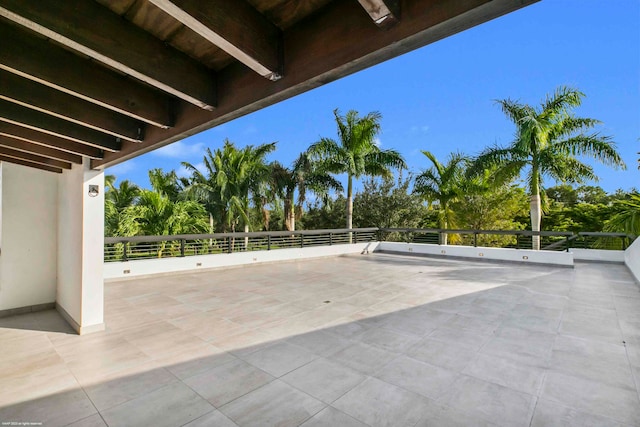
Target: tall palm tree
166,183
444,184
230,178
548,139
117,199
302,176
356,152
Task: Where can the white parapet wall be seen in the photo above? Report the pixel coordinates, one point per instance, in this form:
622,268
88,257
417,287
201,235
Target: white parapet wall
600,255
136,268
497,254
632,258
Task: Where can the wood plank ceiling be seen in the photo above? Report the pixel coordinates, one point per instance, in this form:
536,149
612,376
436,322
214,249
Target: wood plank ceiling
112,79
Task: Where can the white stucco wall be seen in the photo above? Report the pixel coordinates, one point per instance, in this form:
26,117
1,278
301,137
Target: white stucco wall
632,258
80,247
69,237
28,236
116,270
601,255
499,254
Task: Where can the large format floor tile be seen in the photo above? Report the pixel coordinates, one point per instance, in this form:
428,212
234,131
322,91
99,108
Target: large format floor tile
275,404
378,403
357,341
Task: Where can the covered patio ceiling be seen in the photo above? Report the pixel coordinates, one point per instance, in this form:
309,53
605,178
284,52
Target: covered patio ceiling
112,79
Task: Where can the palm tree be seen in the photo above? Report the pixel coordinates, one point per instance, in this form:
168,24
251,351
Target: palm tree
547,141
444,184
117,199
166,183
356,153
231,176
303,176
156,215
626,217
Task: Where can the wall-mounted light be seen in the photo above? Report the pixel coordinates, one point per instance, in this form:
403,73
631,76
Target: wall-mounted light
94,190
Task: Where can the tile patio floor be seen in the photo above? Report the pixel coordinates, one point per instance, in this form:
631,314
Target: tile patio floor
378,340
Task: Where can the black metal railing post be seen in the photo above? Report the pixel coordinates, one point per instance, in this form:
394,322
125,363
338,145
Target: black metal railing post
475,239
182,244
125,256
229,245
567,243
268,242
517,240
330,239
355,237
301,240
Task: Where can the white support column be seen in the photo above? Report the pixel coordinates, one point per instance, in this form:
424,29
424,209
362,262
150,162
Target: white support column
80,290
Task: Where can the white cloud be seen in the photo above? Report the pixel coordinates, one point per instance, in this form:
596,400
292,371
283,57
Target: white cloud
421,129
121,169
181,150
251,129
377,142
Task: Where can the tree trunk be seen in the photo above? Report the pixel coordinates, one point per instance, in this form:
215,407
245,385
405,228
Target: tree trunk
266,218
444,236
246,239
536,216
350,205
287,213
292,219
210,228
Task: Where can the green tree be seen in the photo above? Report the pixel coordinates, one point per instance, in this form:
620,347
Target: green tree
356,153
564,194
592,194
232,176
498,207
166,183
443,184
547,141
324,214
303,176
388,203
626,217
117,199
155,214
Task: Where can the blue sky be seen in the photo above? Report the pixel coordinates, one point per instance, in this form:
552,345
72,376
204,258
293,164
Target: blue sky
441,97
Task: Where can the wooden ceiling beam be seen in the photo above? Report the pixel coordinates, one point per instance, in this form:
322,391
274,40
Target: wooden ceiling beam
333,43
36,59
32,136
30,164
385,13
32,119
39,97
28,157
93,30
39,150
233,26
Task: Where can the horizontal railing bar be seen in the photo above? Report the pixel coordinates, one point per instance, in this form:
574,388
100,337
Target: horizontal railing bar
604,234
460,231
149,247
238,235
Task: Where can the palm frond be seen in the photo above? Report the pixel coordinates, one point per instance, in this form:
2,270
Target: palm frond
596,146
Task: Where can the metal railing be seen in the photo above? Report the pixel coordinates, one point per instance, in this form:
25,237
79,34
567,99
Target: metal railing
149,247
516,239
